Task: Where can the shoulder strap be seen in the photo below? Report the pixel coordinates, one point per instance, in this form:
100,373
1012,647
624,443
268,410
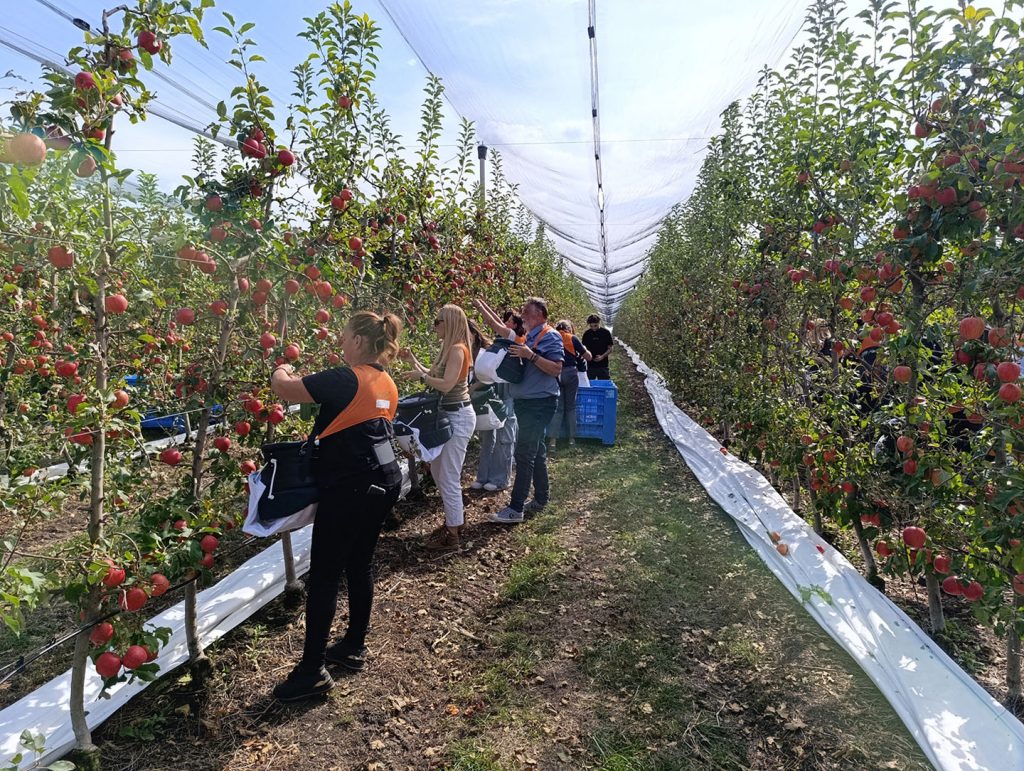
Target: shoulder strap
538,338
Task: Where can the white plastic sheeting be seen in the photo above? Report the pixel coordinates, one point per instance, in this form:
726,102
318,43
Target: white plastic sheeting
955,721
221,608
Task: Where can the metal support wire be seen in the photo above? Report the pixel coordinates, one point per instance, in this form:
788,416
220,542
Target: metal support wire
595,117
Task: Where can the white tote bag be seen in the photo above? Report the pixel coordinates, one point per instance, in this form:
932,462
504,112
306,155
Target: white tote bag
584,379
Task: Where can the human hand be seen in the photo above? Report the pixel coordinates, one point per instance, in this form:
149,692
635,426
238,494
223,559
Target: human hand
405,354
520,351
410,375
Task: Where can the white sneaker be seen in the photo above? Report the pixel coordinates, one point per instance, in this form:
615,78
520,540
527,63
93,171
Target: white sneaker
492,488
477,486
507,516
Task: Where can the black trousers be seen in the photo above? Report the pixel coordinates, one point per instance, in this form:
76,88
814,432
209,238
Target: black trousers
345,532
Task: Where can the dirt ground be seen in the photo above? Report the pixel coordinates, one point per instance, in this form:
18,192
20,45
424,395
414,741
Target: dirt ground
627,627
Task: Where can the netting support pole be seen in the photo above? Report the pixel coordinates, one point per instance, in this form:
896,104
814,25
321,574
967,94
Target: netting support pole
481,154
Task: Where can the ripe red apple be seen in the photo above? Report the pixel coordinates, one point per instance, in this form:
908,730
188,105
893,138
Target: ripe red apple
1010,392
160,584
115,576
914,537
214,203
102,633
941,564
946,196
222,443
73,401
285,157
292,352
904,444
84,81
121,399
149,42
267,341
133,599
973,591
253,405
135,656
910,467
26,149
219,308
242,428
291,286
921,130
66,368
171,456
355,243
247,467
108,665
972,327
86,168
322,316
344,102
1008,371
902,373
1018,583
207,561
882,548
952,586
115,304
185,316
60,257
275,416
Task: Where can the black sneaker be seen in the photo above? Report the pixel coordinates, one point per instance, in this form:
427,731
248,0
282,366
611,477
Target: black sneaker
303,684
341,654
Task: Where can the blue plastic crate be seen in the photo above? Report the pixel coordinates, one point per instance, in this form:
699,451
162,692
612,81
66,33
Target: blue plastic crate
596,408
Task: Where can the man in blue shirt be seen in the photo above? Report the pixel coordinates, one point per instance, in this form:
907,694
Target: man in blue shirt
535,400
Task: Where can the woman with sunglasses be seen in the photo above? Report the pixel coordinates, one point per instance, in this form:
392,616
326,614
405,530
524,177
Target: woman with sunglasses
450,376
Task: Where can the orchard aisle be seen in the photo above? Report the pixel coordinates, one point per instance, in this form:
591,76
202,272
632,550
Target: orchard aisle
628,627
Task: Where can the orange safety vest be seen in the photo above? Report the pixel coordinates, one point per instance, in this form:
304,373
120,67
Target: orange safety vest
376,397
567,343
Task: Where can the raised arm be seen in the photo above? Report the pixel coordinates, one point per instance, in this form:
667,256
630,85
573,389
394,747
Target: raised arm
492,319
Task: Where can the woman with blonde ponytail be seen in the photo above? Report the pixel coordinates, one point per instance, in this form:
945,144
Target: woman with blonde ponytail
359,481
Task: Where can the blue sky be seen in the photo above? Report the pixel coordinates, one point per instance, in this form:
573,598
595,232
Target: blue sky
520,69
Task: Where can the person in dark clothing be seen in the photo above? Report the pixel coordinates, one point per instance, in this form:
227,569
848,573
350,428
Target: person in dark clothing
359,480
598,341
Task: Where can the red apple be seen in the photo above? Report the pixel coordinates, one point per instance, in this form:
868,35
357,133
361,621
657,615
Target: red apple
133,599
972,327
159,583
1008,371
914,537
902,373
952,585
222,443
102,633
149,42
108,665
60,257
115,304
171,456
135,656
941,564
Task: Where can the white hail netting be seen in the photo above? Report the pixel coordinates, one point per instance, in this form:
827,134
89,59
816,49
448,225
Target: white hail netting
521,70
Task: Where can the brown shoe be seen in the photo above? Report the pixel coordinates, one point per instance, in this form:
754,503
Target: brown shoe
443,539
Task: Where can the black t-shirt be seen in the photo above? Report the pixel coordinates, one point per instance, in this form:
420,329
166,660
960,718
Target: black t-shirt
341,456
597,342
